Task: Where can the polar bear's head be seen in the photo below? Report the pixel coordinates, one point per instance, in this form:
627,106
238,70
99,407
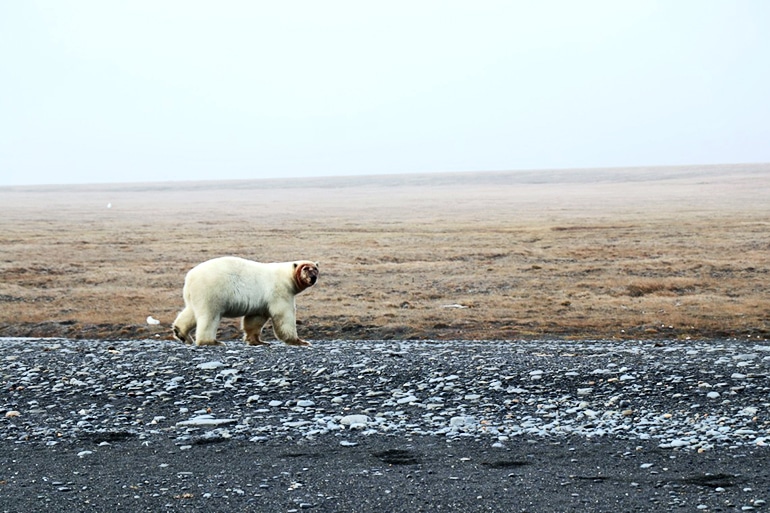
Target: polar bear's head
305,274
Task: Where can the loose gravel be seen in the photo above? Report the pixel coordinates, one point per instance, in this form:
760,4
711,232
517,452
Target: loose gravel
681,395
384,425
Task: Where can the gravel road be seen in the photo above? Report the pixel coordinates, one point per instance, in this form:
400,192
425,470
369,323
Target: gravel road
545,425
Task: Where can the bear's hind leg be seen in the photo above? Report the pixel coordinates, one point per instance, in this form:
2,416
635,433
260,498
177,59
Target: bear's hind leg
252,328
206,332
183,325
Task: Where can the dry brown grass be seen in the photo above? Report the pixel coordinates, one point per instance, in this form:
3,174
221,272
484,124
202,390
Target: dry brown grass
666,252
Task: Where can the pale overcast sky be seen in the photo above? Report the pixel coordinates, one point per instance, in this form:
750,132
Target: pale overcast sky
125,91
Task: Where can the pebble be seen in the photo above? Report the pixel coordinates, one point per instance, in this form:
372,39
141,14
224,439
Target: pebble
488,390
205,421
354,420
210,365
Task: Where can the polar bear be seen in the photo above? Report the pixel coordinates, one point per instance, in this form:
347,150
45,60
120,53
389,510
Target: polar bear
236,287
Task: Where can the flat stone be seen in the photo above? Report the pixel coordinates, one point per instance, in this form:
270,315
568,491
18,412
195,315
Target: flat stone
210,365
462,421
206,421
350,420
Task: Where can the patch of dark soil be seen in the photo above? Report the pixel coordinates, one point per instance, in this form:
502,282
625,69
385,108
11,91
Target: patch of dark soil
331,330
98,437
398,457
208,440
711,480
505,464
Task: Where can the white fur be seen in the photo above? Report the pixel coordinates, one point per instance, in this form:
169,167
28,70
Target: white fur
236,287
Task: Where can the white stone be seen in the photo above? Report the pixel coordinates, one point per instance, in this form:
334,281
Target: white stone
462,421
210,365
298,423
354,420
205,421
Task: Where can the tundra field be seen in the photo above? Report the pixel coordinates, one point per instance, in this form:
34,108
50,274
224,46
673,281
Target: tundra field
665,253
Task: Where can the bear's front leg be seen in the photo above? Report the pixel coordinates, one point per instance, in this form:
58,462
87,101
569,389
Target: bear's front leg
209,343
298,342
285,327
